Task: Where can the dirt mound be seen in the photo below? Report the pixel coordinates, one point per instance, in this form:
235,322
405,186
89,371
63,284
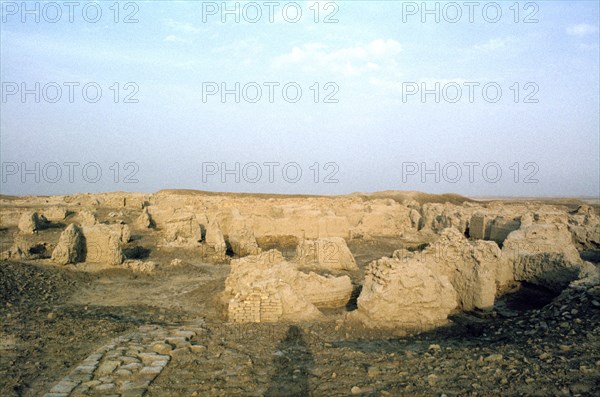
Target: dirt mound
191,192
43,334
419,197
25,284
398,196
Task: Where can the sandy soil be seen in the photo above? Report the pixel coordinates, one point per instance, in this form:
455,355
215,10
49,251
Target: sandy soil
533,343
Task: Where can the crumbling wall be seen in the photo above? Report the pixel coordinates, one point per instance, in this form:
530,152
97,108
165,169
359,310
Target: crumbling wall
70,247
543,254
258,306
397,294
330,253
102,245
30,222
265,288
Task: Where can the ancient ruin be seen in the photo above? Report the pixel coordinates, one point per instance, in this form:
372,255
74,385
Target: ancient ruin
214,241
31,222
267,288
348,267
102,245
329,253
71,246
397,294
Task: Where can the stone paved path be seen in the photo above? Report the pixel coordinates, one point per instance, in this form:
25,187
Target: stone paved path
126,366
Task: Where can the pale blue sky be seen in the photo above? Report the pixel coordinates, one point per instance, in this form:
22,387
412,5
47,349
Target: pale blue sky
371,54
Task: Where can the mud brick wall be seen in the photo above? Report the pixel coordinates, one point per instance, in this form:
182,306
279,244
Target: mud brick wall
256,307
336,296
477,226
500,229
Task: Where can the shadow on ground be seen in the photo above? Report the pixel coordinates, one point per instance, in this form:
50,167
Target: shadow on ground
292,366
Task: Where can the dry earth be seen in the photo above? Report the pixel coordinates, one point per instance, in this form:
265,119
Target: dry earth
91,329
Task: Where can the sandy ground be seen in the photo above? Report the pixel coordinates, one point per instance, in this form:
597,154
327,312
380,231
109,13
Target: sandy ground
533,343
52,318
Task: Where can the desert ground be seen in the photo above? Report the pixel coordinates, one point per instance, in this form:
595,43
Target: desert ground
189,293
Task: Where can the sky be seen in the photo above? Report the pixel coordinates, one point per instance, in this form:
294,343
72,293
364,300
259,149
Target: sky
316,97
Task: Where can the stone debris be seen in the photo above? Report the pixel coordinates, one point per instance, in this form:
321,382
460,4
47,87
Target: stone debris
139,266
176,262
23,249
126,366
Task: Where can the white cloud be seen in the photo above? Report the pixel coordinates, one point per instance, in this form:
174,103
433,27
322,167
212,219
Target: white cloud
180,32
491,45
175,39
398,84
350,61
182,27
582,29
244,52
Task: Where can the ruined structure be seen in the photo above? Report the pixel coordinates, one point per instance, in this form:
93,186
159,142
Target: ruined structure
31,222
183,229
543,254
56,214
329,253
144,220
86,218
102,245
215,242
463,254
70,247
267,288
243,242
397,294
